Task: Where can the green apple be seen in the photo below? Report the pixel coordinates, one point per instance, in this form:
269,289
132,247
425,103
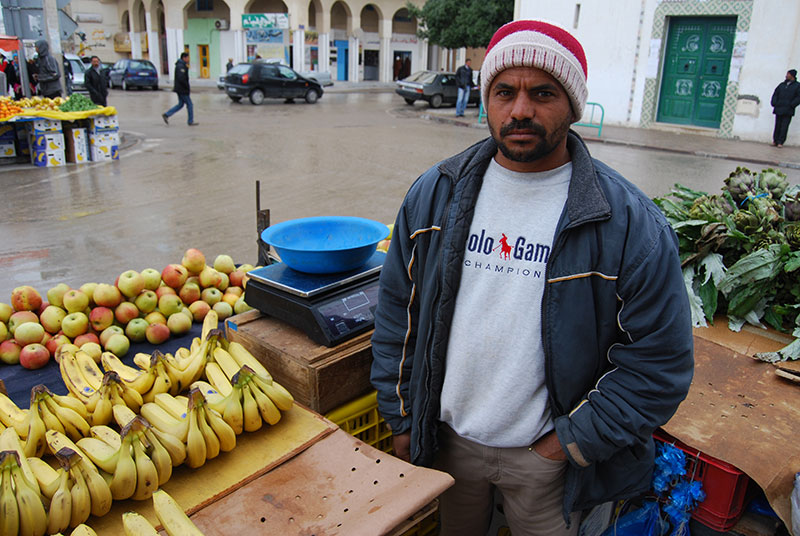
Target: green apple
179,323
224,310
223,281
108,332
118,345
106,295
169,304
75,324
19,318
5,312
241,306
135,329
246,267
209,277
130,283
156,317
185,310
147,301
55,294
51,318
88,289
29,333
3,332
224,264
75,301
152,278
93,349
211,296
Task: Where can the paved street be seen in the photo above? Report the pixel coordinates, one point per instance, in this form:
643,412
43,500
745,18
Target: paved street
352,153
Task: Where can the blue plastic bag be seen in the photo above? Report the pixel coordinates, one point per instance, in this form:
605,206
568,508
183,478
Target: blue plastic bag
646,521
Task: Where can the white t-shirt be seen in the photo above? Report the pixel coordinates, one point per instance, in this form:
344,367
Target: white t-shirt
494,389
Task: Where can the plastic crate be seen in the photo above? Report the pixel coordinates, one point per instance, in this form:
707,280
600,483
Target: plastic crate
427,526
360,418
725,486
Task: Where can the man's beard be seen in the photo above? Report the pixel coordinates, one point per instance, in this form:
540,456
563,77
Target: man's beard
547,143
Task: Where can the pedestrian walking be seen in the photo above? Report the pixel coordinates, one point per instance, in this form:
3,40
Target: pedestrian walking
181,87
785,99
47,73
229,65
540,369
96,83
464,84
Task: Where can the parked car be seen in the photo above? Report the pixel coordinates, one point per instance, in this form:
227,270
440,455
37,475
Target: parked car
434,87
324,79
78,71
133,73
260,80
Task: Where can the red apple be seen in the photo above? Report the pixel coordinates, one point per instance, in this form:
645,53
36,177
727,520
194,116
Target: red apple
106,295
75,301
209,277
118,345
25,298
156,317
56,294
164,290
29,333
152,278
9,352
179,323
189,293
75,324
194,260
85,338
19,318
236,277
199,310
235,290
101,318
223,282
125,312
157,333
108,332
34,356
51,318
55,342
174,275
146,301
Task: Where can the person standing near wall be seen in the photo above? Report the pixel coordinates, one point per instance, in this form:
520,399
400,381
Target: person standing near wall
47,73
464,84
785,99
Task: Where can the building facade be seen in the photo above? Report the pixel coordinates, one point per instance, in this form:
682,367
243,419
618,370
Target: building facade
352,39
706,66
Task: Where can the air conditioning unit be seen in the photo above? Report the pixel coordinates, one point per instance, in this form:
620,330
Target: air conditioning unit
221,24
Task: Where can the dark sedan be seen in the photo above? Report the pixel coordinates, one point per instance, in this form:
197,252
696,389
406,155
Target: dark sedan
258,81
133,73
436,88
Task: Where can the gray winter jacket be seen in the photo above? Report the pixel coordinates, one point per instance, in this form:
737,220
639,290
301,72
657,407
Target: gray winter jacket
616,324
48,71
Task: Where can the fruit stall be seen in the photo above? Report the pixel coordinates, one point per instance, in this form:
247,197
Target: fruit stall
53,132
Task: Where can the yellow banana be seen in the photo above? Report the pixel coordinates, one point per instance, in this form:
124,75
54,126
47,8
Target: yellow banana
51,422
172,517
173,445
218,378
67,401
136,524
142,360
99,491
210,323
160,419
252,417
75,426
195,443
57,441
162,382
9,510
46,477
122,415
244,357
81,499
123,482
160,457
183,352
126,373
102,412
89,369
35,442
226,435
210,393
232,411
171,405
130,396
60,512
277,392
226,362
100,453
191,369
9,440
13,416
107,435
211,439
32,516
83,530
74,380
269,411
146,474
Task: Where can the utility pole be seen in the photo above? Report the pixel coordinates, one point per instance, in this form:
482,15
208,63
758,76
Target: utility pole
52,34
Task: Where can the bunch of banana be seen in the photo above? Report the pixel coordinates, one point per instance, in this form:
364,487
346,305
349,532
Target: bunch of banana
21,504
161,443
77,506
12,416
188,370
9,441
69,418
80,373
208,433
140,380
136,524
172,517
35,442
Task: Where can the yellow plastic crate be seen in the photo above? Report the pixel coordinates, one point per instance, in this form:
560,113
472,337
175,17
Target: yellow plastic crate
360,418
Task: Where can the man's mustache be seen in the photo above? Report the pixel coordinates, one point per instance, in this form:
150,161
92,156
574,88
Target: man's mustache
523,125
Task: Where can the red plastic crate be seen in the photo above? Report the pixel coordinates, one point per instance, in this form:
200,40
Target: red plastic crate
724,485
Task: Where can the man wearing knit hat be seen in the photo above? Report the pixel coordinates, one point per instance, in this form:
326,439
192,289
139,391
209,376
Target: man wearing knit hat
533,326
785,99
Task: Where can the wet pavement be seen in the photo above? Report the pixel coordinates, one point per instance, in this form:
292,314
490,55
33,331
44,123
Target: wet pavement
355,152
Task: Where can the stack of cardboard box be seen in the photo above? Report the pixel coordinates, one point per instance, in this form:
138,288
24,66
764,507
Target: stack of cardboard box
76,143
104,137
47,143
7,147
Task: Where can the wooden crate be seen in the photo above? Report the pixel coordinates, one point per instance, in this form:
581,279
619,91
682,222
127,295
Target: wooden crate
319,377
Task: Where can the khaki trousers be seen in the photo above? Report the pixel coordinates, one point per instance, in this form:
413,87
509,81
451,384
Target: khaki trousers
532,487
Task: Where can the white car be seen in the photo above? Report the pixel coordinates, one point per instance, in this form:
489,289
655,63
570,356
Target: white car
78,73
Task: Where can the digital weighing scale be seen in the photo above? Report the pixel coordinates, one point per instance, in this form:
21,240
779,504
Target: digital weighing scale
329,308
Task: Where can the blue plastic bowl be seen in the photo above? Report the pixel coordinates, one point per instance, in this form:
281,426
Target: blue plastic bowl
325,244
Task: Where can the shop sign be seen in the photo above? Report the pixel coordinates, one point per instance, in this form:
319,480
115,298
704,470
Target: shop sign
265,20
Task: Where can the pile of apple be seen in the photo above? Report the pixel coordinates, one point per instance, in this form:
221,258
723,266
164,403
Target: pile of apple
140,306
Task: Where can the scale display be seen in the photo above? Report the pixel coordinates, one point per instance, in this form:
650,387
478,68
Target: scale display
347,314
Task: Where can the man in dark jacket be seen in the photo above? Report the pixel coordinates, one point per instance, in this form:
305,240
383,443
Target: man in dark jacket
464,84
47,73
181,87
533,326
785,99
96,83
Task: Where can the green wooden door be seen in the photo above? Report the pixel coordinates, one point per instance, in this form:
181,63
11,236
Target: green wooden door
698,58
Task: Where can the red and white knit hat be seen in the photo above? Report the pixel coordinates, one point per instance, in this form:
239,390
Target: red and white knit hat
534,43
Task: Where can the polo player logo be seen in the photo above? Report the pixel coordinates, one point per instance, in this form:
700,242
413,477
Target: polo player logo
505,251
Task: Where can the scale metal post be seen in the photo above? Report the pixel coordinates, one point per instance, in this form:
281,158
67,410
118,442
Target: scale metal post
329,308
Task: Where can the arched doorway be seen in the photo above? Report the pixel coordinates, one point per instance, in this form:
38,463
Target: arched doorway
204,21
371,41
404,43
158,21
341,21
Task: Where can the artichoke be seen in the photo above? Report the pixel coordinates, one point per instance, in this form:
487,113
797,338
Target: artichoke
773,181
710,208
792,234
741,183
746,221
791,208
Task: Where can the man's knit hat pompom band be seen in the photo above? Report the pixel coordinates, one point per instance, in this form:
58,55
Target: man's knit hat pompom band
533,43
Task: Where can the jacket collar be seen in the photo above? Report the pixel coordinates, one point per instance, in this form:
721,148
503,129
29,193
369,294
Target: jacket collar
586,200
